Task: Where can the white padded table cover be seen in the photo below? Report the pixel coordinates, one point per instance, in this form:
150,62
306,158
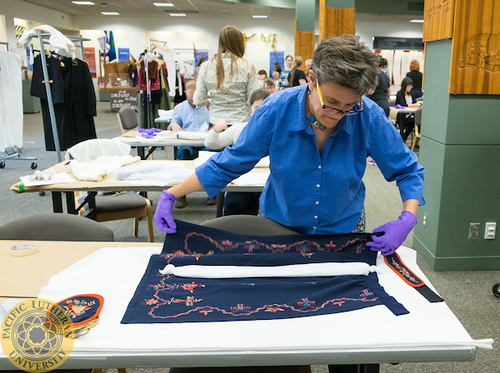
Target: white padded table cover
115,273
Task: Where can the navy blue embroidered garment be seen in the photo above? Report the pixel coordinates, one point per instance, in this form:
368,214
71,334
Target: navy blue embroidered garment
166,298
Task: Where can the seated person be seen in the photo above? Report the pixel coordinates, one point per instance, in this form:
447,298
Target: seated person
406,97
270,86
188,117
220,136
262,74
277,80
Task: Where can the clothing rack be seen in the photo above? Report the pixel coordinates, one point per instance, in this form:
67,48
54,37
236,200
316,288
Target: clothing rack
148,83
78,41
13,152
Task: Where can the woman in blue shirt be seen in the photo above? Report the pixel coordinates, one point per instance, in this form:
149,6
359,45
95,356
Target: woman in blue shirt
318,137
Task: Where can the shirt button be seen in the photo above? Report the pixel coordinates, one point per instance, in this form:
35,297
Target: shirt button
317,202
317,185
314,228
315,216
319,166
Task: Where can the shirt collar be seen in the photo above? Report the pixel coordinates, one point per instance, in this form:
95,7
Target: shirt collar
301,123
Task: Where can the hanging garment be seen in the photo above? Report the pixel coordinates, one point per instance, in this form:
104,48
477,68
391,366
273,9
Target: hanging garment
11,101
171,299
61,44
158,100
73,99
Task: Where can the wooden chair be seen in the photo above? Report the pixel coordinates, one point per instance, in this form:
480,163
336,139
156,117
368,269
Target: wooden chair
115,206
416,137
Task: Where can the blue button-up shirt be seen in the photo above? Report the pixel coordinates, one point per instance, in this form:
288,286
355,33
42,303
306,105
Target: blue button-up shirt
310,192
190,118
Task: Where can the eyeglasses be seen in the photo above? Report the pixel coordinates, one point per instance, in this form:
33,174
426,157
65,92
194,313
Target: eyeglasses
333,110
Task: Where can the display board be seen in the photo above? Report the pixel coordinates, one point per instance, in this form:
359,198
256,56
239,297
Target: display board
123,97
382,42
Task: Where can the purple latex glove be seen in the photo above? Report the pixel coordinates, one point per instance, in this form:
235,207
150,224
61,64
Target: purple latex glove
395,232
163,215
398,106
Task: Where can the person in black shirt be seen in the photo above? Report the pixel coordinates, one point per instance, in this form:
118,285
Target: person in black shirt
296,76
382,92
416,76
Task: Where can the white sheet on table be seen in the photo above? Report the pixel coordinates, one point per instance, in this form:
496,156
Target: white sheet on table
204,156
156,173
252,178
115,273
58,178
192,135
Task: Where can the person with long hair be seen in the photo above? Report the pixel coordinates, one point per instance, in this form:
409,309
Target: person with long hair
277,67
229,78
406,97
328,130
416,76
197,68
383,91
297,76
285,71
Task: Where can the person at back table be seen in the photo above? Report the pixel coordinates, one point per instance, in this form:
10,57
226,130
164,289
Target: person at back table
405,97
228,78
270,86
416,76
188,117
220,136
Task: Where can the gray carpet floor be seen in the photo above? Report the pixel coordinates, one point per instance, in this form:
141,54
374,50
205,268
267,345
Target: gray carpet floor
467,293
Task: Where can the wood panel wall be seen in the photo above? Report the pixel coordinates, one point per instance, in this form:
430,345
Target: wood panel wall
335,21
475,54
304,45
438,20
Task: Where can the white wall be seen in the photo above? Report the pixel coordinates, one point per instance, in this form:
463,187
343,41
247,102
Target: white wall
139,28
366,30
133,32
35,14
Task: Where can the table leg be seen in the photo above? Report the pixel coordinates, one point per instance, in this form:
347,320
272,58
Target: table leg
219,204
70,203
140,152
57,205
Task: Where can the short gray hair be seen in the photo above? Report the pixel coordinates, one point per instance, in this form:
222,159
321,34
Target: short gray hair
345,61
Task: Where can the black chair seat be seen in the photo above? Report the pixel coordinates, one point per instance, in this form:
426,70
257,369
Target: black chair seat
56,227
249,224
119,202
